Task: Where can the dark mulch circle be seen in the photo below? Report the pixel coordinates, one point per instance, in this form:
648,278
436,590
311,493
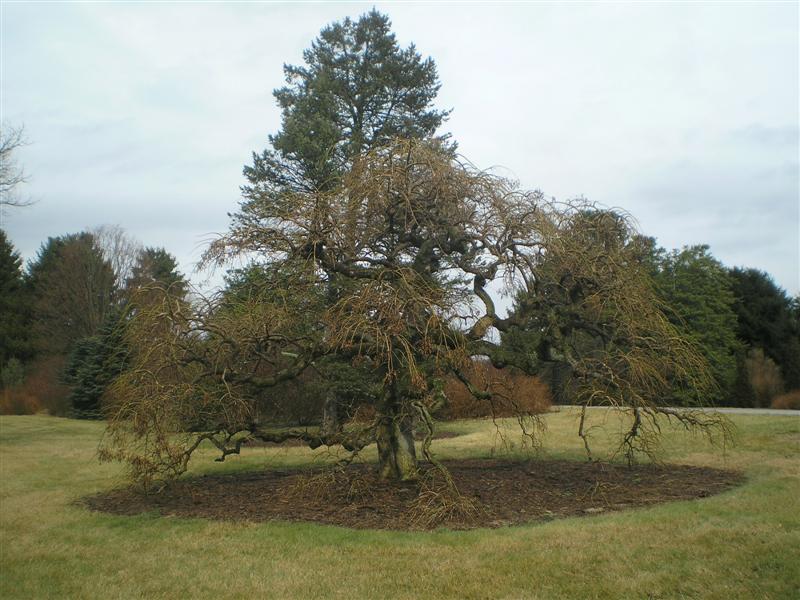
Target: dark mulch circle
504,493
292,443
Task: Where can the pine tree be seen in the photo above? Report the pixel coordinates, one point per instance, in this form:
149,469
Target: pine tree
767,318
156,266
72,287
357,89
97,360
94,362
14,313
697,290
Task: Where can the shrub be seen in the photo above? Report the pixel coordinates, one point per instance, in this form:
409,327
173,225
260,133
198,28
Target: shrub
40,390
15,401
788,401
513,393
765,377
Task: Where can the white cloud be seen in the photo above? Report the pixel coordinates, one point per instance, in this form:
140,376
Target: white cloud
684,114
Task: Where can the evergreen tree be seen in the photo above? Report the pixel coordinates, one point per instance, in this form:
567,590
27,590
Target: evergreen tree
552,304
98,359
156,266
690,283
94,363
12,374
14,305
742,392
73,287
357,89
697,290
767,318
73,290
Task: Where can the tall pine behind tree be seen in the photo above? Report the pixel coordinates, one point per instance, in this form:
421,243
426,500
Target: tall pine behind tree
357,89
14,305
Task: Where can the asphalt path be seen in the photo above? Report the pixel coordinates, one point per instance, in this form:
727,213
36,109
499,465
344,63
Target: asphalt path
732,411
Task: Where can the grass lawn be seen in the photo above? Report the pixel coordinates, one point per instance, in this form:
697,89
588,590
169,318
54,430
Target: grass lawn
744,543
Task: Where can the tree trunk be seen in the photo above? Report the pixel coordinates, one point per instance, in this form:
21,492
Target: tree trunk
396,453
330,414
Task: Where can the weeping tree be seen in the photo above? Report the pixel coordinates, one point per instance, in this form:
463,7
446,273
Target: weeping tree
419,245
600,330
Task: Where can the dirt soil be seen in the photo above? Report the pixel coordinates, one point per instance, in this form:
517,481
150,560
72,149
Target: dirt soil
495,493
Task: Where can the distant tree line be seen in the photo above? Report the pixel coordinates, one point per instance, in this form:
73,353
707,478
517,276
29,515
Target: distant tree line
744,324
62,317
62,321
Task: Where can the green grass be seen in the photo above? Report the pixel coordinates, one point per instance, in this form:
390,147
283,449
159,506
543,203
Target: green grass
744,543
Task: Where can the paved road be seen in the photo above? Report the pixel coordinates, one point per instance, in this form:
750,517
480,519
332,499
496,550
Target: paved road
734,411
756,411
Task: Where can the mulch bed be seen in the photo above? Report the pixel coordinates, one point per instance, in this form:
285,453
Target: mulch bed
504,493
292,443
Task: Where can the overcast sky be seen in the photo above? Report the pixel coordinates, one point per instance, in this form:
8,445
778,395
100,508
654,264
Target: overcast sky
686,115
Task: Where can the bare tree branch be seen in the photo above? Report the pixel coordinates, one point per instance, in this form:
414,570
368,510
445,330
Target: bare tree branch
11,175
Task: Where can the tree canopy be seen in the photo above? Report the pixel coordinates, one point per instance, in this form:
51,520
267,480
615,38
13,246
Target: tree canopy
357,89
412,239
374,258
768,319
697,289
14,305
155,267
73,287
96,360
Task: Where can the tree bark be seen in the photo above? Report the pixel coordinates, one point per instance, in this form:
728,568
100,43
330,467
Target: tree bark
397,457
330,414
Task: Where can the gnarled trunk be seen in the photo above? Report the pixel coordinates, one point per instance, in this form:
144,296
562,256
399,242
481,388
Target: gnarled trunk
396,453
